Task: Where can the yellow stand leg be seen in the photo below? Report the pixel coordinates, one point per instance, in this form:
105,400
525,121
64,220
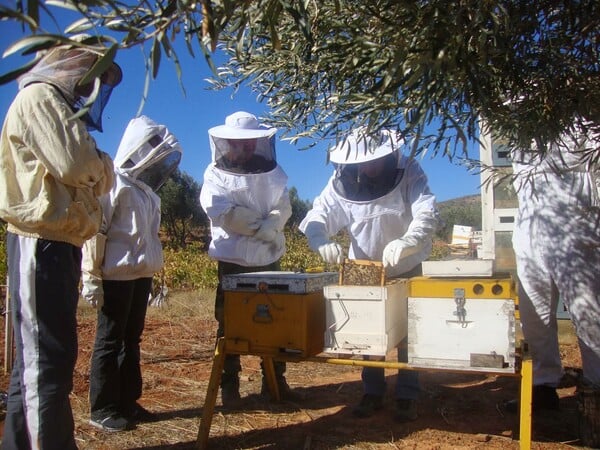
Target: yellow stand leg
525,402
269,369
211,395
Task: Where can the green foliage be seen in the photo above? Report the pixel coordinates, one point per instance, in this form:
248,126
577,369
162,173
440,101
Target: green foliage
456,212
299,209
180,207
189,268
192,268
527,68
298,256
418,66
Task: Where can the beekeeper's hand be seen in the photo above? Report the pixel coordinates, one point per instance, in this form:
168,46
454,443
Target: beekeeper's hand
395,254
92,291
242,220
91,270
331,252
270,227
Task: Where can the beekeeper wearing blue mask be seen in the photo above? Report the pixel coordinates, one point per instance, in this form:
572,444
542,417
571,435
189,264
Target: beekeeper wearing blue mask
51,173
382,198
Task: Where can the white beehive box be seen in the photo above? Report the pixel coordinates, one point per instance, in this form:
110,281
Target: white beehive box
466,324
365,320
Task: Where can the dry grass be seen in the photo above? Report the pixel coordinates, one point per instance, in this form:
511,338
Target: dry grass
177,343
456,411
177,351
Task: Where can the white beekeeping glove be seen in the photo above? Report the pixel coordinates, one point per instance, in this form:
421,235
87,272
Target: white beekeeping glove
331,252
91,270
395,255
270,227
242,220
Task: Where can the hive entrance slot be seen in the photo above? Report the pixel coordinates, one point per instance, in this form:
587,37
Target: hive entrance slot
264,287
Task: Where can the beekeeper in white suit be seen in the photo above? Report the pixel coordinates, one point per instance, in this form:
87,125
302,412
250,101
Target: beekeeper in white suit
381,197
118,266
246,199
557,246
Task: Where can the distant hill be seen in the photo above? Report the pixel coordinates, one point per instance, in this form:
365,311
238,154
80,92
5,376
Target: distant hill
466,200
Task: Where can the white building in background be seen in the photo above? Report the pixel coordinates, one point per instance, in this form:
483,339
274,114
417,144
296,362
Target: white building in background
498,203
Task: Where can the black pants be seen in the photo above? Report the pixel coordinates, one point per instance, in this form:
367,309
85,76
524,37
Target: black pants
232,365
115,373
44,278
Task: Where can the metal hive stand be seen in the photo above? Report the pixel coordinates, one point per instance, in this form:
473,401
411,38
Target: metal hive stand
525,374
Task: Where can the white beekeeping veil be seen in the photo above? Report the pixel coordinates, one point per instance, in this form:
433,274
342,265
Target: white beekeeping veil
243,145
148,152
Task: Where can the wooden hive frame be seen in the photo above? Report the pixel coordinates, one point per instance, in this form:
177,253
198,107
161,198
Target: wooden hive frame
362,272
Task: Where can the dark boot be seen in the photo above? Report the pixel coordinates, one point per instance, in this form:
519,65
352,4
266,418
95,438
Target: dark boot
588,406
368,405
543,398
230,390
285,391
136,413
405,410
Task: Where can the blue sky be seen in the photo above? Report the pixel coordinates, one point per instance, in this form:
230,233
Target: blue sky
190,115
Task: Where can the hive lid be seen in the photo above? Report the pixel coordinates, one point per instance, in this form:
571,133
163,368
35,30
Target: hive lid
459,268
279,281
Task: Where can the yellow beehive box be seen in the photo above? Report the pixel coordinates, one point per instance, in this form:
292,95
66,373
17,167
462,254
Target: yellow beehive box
462,323
275,313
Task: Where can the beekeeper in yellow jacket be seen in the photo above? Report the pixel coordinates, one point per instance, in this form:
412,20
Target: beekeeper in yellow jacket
51,173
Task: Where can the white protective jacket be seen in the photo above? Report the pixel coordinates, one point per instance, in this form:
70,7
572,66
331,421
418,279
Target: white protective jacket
133,248
557,247
407,211
260,192
128,245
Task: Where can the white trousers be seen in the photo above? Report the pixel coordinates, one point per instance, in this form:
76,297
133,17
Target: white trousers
558,255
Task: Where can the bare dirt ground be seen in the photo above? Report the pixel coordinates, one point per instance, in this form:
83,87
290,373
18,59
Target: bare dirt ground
456,411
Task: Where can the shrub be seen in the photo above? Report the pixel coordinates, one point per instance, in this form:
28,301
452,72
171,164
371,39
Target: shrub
189,268
192,268
298,256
